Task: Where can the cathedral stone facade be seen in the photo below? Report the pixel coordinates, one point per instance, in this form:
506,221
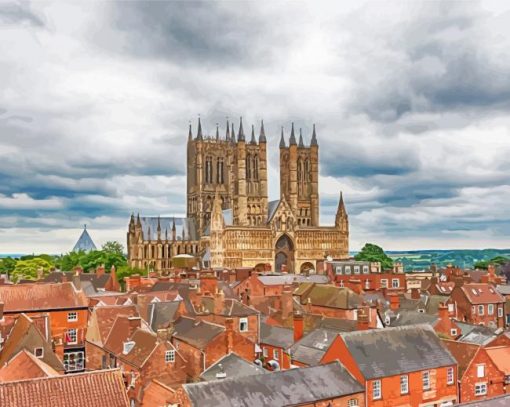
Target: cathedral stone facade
230,222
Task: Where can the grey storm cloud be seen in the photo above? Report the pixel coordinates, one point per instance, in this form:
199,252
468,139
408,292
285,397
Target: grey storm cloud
410,102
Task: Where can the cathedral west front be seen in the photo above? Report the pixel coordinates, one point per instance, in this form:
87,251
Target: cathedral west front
230,222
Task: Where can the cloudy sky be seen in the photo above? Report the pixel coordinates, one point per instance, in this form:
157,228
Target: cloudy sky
411,103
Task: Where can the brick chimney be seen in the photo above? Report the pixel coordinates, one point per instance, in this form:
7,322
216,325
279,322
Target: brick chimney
299,326
219,302
100,270
229,334
394,301
484,279
355,285
442,312
286,301
459,281
1,311
362,319
415,294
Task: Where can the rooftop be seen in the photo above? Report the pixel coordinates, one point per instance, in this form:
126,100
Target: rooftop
230,366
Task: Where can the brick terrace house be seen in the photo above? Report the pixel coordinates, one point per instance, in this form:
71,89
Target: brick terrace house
479,375
274,342
68,315
398,366
25,335
327,385
202,343
25,365
477,303
91,389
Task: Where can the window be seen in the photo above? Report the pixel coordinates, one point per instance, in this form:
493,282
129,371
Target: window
490,309
451,308
347,269
71,336
341,284
365,269
352,403
480,389
356,269
453,332
449,376
74,361
395,283
500,312
243,324
72,316
276,354
480,310
338,269
170,356
480,371
426,380
384,283
264,352
39,352
376,389
404,384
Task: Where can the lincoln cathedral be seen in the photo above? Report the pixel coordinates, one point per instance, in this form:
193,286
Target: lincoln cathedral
230,222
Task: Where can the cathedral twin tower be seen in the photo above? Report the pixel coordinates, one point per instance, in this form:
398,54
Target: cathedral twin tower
236,169
230,222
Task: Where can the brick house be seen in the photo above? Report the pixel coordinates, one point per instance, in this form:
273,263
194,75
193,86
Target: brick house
398,366
25,365
328,385
68,316
331,301
479,377
477,303
274,343
202,343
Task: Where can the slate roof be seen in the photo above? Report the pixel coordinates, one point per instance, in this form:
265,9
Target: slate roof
311,348
276,336
394,351
162,314
41,297
433,303
196,333
84,243
186,225
98,282
92,389
272,206
231,307
282,388
413,318
477,334
503,289
232,366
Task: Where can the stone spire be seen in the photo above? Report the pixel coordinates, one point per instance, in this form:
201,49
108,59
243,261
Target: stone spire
217,132
341,218
292,139
240,135
262,136
174,234
190,134
282,140
253,141
227,135
314,137
233,135
199,133
301,144
138,221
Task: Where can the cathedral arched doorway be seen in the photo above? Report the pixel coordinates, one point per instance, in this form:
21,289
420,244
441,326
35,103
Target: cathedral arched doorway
307,268
284,254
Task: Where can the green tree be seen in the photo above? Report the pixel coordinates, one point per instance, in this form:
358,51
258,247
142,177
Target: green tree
113,247
27,269
96,258
497,261
7,265
126,271
372,252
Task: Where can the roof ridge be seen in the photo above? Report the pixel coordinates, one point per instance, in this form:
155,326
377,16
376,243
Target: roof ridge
64,376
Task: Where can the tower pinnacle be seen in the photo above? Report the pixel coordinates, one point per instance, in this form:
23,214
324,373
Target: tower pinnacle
282,140
292,139
262,136
199,133
240,135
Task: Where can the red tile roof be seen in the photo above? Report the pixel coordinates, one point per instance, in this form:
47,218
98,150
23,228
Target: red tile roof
92,389
481,293
41,297
25,366
501,357
102,319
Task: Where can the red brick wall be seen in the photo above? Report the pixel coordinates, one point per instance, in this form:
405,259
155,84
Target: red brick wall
493,377
283,358
94,356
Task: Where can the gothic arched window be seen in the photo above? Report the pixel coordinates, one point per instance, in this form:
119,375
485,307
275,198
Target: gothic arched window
248,167
219,171
308,172
299,170
256,167
208,170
